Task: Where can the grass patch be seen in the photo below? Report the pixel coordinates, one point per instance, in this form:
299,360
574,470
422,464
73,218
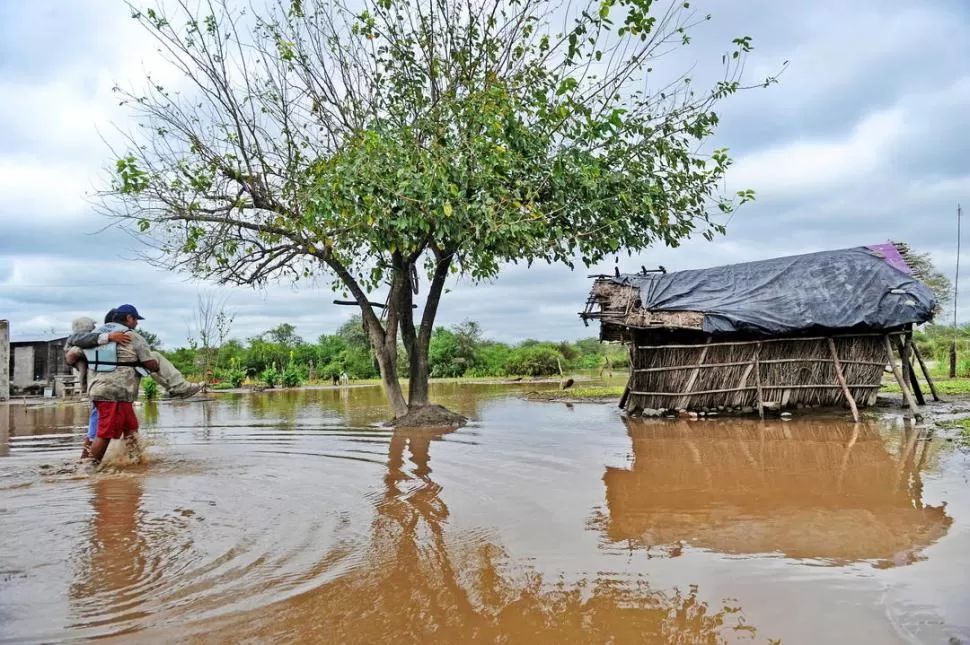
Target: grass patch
943,386
963,426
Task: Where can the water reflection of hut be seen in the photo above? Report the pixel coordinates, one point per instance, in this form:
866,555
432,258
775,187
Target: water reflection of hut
805,490
815,329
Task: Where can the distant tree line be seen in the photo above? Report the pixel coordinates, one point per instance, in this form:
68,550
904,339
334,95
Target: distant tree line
281,357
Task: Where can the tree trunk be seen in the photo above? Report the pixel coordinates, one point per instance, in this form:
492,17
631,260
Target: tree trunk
391,383
383,337
418,394
418,390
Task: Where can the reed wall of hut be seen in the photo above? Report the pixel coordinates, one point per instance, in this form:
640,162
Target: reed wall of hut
694,372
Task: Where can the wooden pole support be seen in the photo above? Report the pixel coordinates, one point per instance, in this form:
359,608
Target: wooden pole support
845,387
926,373
907,395
626,394
909,372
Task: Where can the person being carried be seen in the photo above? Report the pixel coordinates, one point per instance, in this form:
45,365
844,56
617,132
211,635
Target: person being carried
84,337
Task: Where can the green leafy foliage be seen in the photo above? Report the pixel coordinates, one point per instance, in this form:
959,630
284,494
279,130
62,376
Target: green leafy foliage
461,351
234,375
534,360
456,141
149,388
270,376
293,376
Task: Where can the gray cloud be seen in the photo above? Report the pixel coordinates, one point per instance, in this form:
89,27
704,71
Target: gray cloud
861,142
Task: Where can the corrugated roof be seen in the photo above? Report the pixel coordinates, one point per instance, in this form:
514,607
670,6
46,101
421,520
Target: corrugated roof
25,339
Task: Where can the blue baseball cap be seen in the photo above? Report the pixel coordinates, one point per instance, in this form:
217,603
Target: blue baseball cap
129,310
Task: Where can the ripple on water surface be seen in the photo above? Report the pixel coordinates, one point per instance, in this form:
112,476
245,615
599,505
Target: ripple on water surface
291,518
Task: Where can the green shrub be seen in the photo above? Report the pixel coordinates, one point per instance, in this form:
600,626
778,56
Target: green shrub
150,388
270,376
533,360
292,376
234,375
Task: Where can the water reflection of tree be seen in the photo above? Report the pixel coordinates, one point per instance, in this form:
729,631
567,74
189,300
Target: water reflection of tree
822,490
420,583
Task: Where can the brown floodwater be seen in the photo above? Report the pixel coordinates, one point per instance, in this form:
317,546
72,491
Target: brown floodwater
290,517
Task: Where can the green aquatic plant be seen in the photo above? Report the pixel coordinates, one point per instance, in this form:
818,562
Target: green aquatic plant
150,388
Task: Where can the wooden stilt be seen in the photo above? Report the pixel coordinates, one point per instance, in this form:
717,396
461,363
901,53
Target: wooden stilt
757,380
907,395
909,373
841,377
626,394
926,373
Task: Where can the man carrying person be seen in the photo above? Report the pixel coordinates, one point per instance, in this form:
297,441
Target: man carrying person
114,370
83,337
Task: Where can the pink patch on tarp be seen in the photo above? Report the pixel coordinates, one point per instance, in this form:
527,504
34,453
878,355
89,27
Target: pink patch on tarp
892,256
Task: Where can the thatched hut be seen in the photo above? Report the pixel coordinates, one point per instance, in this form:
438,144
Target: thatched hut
810,330
817,490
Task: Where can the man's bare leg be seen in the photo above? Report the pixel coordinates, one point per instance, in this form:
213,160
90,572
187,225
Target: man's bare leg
98,447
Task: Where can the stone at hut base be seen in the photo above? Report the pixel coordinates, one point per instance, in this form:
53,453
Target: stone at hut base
429,416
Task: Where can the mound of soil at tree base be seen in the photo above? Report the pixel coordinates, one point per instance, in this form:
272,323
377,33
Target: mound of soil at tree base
429,416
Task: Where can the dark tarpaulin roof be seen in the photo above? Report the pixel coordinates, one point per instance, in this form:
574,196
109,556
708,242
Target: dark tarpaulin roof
854,288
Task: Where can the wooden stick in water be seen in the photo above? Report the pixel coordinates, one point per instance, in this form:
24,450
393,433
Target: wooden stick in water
926,373
909,373
841,377
907,395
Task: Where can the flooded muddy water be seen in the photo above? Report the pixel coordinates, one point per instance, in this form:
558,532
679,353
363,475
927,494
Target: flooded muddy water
289,517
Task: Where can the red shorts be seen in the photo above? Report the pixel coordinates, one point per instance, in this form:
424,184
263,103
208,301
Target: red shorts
115,418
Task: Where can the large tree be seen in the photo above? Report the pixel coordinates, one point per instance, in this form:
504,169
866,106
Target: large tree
388,144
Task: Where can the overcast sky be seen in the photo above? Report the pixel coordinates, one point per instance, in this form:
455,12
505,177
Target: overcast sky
864,140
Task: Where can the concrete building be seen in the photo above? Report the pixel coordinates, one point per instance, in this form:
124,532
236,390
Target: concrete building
36,363
4,360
